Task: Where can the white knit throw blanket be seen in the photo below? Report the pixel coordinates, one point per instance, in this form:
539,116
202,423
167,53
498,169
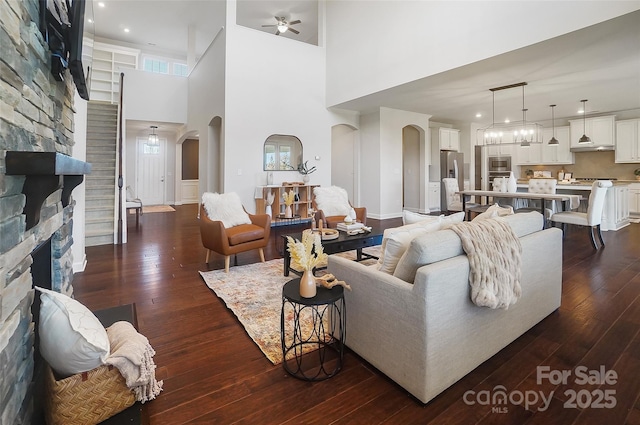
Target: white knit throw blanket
132,354
495,260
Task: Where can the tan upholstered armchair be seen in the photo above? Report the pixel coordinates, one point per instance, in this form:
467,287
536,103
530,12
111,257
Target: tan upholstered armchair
231,240
332,205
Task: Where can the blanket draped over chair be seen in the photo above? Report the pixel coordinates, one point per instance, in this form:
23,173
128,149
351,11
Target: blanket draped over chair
132,354
495,260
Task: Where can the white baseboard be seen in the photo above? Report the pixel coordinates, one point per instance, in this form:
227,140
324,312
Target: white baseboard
78,267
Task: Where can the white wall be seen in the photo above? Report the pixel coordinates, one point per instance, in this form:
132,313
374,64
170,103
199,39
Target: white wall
78,194
402,41
206,97
155,97
273,86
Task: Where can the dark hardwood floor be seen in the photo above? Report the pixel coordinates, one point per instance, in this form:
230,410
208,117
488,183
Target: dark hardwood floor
214,374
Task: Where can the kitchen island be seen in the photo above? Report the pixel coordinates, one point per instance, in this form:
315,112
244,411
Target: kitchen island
616,204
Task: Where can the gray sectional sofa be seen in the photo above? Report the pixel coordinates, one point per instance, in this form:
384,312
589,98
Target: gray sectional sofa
427,334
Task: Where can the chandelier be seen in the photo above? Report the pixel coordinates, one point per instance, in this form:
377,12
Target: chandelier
153,137
523,133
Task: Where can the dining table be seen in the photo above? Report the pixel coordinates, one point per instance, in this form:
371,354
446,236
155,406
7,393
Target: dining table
573,201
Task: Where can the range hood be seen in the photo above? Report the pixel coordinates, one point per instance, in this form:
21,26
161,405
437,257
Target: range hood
592,148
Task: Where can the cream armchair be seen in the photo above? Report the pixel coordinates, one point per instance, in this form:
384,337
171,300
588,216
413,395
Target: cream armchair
332,205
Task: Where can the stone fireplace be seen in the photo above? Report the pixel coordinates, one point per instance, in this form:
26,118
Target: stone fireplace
36,213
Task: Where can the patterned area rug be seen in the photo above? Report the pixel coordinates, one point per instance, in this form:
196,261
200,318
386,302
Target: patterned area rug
254,294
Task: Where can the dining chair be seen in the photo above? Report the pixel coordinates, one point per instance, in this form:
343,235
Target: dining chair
593,217
454,199
546,186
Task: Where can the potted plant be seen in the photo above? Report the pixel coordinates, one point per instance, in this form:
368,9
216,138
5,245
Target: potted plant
637,173
304,169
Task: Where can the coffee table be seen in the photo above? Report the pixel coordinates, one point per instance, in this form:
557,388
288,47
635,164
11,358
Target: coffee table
342,244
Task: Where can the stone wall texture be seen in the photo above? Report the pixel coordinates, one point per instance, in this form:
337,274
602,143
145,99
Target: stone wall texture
36,114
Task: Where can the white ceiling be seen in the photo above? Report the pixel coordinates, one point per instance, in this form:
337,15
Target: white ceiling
600,63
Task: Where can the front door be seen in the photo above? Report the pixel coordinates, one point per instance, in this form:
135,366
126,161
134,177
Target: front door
151,171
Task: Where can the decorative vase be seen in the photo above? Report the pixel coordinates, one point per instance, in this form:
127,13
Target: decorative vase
305,178
270,178
287,212
307,285
512,184
268,211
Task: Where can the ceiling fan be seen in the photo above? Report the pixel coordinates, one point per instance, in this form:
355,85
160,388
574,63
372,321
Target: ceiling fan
282,26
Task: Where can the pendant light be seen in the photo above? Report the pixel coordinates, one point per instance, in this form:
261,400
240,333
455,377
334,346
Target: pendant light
153,137
553,141
584,139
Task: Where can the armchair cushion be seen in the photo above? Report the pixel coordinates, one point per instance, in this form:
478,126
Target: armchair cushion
244,233
225,207
333,200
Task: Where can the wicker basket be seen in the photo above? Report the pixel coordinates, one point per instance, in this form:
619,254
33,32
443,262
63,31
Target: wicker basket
86,398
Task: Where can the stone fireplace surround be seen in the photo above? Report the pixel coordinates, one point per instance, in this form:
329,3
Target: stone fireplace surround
37,115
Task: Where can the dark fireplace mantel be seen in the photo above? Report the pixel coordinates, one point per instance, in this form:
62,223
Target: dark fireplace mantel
45,173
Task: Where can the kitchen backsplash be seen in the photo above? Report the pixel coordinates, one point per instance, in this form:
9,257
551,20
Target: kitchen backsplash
590,164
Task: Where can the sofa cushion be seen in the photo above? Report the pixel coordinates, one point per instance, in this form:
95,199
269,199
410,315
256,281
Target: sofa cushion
410,217
395,242
448,220
332,200
225,207
438,246
495,210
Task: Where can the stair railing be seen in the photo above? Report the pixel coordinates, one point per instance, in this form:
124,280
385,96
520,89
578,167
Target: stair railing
120,148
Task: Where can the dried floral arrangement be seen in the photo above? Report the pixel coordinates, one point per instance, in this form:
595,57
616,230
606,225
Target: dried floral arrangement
288,198
308,253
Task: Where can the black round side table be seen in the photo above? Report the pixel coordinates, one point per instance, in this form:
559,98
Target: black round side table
317,323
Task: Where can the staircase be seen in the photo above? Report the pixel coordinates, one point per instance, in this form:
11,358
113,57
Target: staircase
102,120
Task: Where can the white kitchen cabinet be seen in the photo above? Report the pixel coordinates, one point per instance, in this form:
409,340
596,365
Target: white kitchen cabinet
634,199
531,155
500,150
601,130
616,208
447,139
628,141
560,153
434,196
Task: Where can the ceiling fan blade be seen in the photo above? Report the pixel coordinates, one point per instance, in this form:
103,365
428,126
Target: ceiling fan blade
297,21
294,31
277,32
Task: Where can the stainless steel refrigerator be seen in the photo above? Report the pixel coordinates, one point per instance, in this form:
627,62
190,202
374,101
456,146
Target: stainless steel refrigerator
451,165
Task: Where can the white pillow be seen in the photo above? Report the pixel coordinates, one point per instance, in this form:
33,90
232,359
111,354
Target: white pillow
493,211
410,217
225,207
395,242
332,200
72,339
450,219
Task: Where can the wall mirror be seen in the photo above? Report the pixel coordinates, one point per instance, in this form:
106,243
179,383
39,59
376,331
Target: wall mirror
282,153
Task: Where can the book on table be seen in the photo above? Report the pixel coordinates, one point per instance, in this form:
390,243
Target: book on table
346,227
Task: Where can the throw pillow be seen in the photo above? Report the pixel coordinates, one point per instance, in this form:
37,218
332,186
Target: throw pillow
332,200
493,211
395,242
409,217
225,207
450,219
72,339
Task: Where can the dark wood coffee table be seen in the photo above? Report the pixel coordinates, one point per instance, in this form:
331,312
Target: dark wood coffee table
342,244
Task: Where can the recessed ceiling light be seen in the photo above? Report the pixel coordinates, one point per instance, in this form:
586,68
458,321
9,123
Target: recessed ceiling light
101,4
478,115
90,21
580,111
126,30
507,121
